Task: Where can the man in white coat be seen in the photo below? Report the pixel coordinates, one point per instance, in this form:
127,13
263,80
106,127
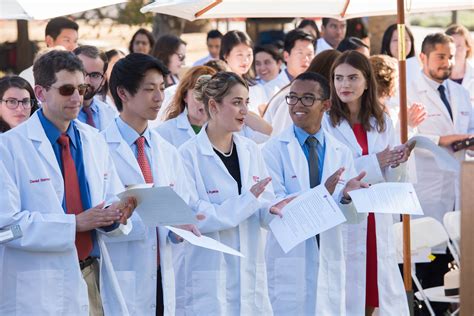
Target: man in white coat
143,156
450,118
94,112
333,32
65,177
310,279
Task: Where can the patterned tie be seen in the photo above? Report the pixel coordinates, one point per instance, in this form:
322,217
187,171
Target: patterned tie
313,166
73,196
442,94
89,119
147,174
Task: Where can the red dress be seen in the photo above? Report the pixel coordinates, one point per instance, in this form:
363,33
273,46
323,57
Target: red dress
371,287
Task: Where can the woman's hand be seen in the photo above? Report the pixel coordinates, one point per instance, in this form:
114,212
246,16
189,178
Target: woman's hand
259,187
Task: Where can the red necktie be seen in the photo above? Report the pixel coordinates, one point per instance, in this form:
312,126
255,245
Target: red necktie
89,119
147,174
73,196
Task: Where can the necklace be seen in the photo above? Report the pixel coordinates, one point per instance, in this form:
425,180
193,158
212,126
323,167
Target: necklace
223,154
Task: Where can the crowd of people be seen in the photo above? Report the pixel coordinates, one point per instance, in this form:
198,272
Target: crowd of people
237,136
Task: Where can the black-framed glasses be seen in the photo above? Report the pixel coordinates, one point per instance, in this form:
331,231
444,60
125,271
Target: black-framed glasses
13,104
306,100
94,76
68,89
181,57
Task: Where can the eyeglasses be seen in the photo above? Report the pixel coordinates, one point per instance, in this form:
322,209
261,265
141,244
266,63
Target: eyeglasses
94,76
68,89
181,57
305,100
13,104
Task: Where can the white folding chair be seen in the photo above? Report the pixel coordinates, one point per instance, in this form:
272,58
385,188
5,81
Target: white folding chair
425,233
452,224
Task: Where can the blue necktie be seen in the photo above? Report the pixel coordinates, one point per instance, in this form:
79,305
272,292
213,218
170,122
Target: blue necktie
442,94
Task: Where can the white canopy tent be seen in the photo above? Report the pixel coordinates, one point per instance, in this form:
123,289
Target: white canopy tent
346,9
46,9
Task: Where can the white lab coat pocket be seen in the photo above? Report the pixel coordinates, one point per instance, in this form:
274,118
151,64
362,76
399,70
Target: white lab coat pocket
47,287
127,282
290,279
202,302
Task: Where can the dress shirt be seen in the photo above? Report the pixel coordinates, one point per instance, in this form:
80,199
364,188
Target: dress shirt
301,136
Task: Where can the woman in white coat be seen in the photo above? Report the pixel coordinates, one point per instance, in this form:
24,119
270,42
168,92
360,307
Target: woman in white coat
237,52
357,119
186,115
232,186
463,68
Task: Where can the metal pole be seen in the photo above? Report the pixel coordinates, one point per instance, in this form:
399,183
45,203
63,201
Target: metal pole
404,138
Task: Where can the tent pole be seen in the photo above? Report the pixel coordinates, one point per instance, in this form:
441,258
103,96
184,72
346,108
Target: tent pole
404,138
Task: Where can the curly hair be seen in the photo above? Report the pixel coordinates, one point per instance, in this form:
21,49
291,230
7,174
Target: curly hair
386,72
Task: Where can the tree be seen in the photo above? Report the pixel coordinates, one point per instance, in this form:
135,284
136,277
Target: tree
167,24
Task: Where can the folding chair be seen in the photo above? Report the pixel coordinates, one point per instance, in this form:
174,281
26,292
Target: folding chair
452,224
425,233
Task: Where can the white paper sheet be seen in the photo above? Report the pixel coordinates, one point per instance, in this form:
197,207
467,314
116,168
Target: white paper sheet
387,198
443,159
204,241
311,213
10,233
160,206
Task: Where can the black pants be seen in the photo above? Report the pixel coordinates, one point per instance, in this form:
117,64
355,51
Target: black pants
160,309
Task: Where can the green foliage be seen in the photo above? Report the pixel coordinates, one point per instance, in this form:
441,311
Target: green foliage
130,14
443,19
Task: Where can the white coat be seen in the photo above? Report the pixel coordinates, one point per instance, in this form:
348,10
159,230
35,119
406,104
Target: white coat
468,80
107,113
216,283
277,113
438,189
392,297
134,256
40,272
306,281
178,130
322,45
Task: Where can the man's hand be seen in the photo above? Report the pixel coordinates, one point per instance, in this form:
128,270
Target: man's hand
96,217
190,228
333,180
277,208
125,207
355,184
259,187
447,140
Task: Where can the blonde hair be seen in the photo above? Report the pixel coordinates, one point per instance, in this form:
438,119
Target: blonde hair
464,32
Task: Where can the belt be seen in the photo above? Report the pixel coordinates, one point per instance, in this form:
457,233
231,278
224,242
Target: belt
86,262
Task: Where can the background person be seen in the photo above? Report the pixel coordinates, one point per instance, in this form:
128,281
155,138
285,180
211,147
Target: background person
213,43
142,42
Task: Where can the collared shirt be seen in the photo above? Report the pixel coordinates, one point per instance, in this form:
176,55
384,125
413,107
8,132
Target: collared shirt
53,133
95,114
435,85
130,136
301,136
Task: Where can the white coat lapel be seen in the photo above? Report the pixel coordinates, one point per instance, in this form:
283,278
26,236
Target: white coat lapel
182,122
346,131
372,135
123,150
206,149
37,134
454,100
160,171
297,157
244,162
433,95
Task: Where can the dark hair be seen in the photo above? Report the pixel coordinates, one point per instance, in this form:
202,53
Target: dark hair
370,105
186,83
56,25
213,34
229,41
46,67
322,63
311,23
218,65
431,40
109,54
356,27
312,76
296,35
387,38
166,46
8,82
92,52
129,72
216,87
145,32
270,49
325,21
461,30
351,43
